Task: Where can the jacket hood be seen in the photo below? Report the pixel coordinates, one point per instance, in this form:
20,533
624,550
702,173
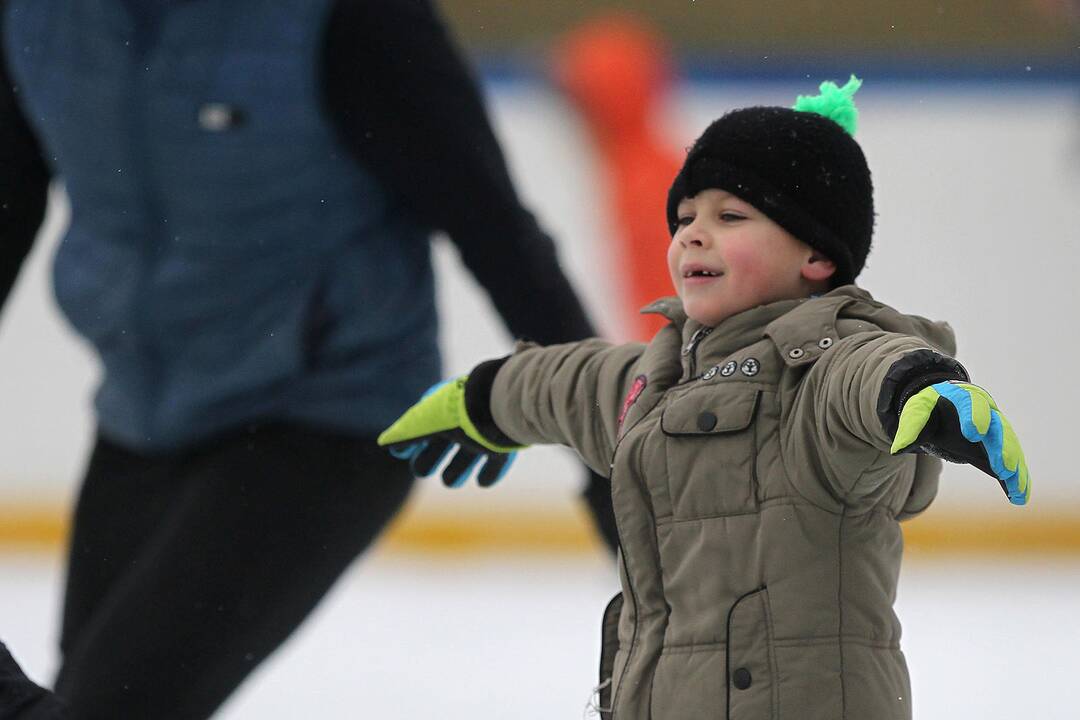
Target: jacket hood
858,305
799,327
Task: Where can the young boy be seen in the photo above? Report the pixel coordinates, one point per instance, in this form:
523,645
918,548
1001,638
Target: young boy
762,448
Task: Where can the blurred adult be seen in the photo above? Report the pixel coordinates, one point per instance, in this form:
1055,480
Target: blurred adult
253,184
617,72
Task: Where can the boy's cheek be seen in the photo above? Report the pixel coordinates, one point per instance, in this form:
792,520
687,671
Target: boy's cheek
672,266
744,261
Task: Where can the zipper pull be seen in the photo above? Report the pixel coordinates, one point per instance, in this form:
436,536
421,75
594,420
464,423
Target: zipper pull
691,346
697,337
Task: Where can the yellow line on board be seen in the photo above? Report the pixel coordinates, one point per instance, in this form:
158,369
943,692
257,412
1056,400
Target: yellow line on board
40,527
994,533
550,532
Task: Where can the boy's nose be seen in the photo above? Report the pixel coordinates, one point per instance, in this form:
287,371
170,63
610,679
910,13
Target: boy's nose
695,237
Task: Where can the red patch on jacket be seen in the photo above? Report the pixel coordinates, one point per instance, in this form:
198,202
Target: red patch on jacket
631,397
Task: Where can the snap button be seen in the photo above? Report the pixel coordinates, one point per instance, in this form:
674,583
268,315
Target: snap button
729,368
825,343
741,678
219,117
711,372
796,353
706,421
750,367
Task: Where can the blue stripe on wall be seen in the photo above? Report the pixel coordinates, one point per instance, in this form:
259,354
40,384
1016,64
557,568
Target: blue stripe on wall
1021,69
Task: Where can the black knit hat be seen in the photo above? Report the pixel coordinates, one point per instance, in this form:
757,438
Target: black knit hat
802,169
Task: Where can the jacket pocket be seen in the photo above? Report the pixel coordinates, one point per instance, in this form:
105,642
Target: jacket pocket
752,677
609,646
710,449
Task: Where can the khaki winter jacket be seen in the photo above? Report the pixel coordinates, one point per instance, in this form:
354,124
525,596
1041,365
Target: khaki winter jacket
757,504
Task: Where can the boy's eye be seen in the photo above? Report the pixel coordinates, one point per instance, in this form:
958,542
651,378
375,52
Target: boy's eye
731,216
685,220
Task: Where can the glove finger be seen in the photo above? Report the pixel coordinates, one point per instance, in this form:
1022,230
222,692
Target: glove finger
427,417
1018,485
406,450
913,418
1012,453
1023,485
425,461
459,469
495,468
992,443
980,408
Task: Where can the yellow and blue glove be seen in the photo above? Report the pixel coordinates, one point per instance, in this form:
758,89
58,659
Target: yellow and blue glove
438,425
960,422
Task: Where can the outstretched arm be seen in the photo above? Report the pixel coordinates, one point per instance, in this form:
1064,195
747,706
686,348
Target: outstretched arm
567,394
409,109
877,394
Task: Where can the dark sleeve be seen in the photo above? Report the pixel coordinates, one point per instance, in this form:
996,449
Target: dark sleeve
409,110
24,183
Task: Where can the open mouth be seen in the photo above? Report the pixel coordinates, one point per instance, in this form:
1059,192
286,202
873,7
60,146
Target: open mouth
697,271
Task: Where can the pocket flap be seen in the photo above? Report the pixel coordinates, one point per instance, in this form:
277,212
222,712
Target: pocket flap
711,411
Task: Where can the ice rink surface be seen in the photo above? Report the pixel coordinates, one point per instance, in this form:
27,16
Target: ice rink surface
518,637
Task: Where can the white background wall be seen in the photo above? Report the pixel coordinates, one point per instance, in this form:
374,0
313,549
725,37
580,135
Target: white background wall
978,199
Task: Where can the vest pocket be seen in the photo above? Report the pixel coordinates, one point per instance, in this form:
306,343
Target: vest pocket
752,690
736,679
709,446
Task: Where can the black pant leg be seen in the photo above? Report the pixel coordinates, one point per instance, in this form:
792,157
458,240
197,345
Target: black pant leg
121,501
21,698
265,525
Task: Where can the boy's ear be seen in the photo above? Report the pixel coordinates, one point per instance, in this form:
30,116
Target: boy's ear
818,267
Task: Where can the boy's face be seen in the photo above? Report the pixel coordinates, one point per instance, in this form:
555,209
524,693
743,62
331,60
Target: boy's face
726,256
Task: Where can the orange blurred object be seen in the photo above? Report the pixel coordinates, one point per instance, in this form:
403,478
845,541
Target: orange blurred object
617,72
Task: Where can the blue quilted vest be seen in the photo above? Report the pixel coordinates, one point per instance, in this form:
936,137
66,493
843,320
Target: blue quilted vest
226,257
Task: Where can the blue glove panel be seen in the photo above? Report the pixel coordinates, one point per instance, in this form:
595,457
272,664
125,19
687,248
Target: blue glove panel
992,439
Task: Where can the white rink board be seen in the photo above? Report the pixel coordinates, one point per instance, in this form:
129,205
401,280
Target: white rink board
978,218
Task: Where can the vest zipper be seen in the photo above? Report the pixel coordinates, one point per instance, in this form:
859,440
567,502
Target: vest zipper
629,578
688,351
617,687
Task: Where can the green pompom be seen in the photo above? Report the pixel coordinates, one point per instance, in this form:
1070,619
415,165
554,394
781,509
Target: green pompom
834,102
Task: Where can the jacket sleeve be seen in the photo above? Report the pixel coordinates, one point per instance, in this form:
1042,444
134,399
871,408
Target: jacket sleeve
568,394
24,182
843,423
408,108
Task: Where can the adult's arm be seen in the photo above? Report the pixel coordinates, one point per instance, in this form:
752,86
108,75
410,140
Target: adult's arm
24,182
408,108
